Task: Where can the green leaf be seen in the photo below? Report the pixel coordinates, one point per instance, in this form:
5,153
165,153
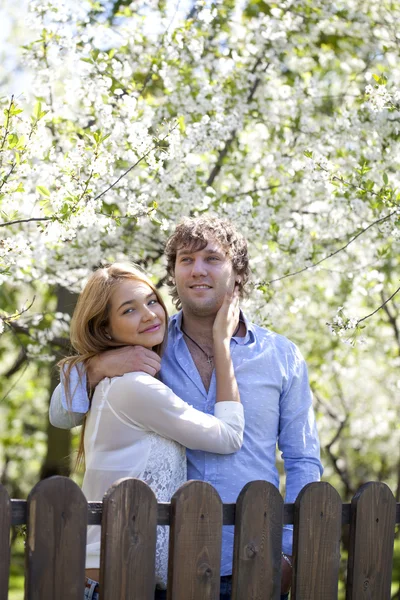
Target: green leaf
308,154
181,123
385,178
37,110
12,140
94,54
376,77
43,191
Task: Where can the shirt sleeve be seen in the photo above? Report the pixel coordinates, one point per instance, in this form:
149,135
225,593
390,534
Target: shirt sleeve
77,390
298,437
141,400
59,416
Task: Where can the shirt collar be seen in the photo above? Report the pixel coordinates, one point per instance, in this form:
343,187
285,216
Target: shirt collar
176,329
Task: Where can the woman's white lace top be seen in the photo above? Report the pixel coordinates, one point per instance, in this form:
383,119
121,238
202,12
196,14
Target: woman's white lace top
137,427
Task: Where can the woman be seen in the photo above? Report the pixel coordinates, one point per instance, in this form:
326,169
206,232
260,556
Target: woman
136,426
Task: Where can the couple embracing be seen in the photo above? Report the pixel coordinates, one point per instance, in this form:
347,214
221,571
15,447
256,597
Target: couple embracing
165,421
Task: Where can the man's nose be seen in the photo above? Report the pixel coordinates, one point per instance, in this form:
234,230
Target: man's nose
199,268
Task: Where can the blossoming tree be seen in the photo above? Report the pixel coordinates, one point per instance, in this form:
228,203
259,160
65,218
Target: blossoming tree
283,117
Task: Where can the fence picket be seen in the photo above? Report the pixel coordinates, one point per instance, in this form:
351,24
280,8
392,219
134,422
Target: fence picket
56,541
258,543
5,524
316,543
372,527
195,543
128,541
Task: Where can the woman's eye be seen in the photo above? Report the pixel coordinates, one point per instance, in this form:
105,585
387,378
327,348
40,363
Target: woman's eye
128,310
153,301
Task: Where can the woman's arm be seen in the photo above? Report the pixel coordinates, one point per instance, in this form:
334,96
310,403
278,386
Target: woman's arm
142,401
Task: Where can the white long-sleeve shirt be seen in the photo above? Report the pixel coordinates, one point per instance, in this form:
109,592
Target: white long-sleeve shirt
137,427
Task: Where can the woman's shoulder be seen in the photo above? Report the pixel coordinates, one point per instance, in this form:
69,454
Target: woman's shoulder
133,377
137,380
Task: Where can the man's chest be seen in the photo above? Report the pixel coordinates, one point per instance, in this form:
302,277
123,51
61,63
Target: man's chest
204,364
194,381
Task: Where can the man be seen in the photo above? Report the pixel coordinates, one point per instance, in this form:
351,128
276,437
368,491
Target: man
205,258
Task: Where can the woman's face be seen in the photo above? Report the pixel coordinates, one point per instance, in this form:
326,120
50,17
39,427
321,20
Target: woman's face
136,317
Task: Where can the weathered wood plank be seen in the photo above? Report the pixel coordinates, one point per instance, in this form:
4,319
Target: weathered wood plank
258,543
5,524
372,529
56,541
128,541
195,543
316,543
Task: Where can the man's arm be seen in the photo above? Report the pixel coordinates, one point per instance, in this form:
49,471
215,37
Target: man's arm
118,361
299,443
61,417
113,363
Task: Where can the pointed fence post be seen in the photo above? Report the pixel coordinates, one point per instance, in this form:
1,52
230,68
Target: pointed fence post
56,541
128,541
195,543
316,543
258,543
5,525
372,528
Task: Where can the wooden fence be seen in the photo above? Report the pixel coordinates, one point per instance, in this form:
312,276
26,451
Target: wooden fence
57,513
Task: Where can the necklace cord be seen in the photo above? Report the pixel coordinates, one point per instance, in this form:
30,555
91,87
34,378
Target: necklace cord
208,356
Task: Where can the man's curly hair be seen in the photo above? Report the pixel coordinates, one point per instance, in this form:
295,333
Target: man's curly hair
194,234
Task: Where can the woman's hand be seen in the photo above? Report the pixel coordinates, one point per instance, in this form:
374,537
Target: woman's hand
227,318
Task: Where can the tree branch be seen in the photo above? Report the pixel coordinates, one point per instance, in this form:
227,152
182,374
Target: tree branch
343,473
6,130
352,239
56,341
26,221
393,321
21,360
218,165
133,166
380,307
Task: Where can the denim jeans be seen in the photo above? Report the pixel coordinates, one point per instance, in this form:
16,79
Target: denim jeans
91,594
225,590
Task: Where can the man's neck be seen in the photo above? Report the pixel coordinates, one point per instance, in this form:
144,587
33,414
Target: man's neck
199,328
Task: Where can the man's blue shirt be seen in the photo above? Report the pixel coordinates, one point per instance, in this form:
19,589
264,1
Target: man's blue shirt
275,393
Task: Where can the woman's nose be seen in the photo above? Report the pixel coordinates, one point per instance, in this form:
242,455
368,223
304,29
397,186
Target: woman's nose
148,313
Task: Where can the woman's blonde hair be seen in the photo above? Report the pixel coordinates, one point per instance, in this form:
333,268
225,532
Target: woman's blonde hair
90,319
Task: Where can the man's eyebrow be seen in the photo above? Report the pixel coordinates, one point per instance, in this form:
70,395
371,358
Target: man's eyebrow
192,251
214,251
133,300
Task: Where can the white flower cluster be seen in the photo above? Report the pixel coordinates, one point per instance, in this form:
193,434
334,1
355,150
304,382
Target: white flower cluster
380,98
346,328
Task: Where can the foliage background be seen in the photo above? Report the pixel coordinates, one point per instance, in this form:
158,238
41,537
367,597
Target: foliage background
121,117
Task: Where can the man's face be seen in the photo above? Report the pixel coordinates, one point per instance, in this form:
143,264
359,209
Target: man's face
202,278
